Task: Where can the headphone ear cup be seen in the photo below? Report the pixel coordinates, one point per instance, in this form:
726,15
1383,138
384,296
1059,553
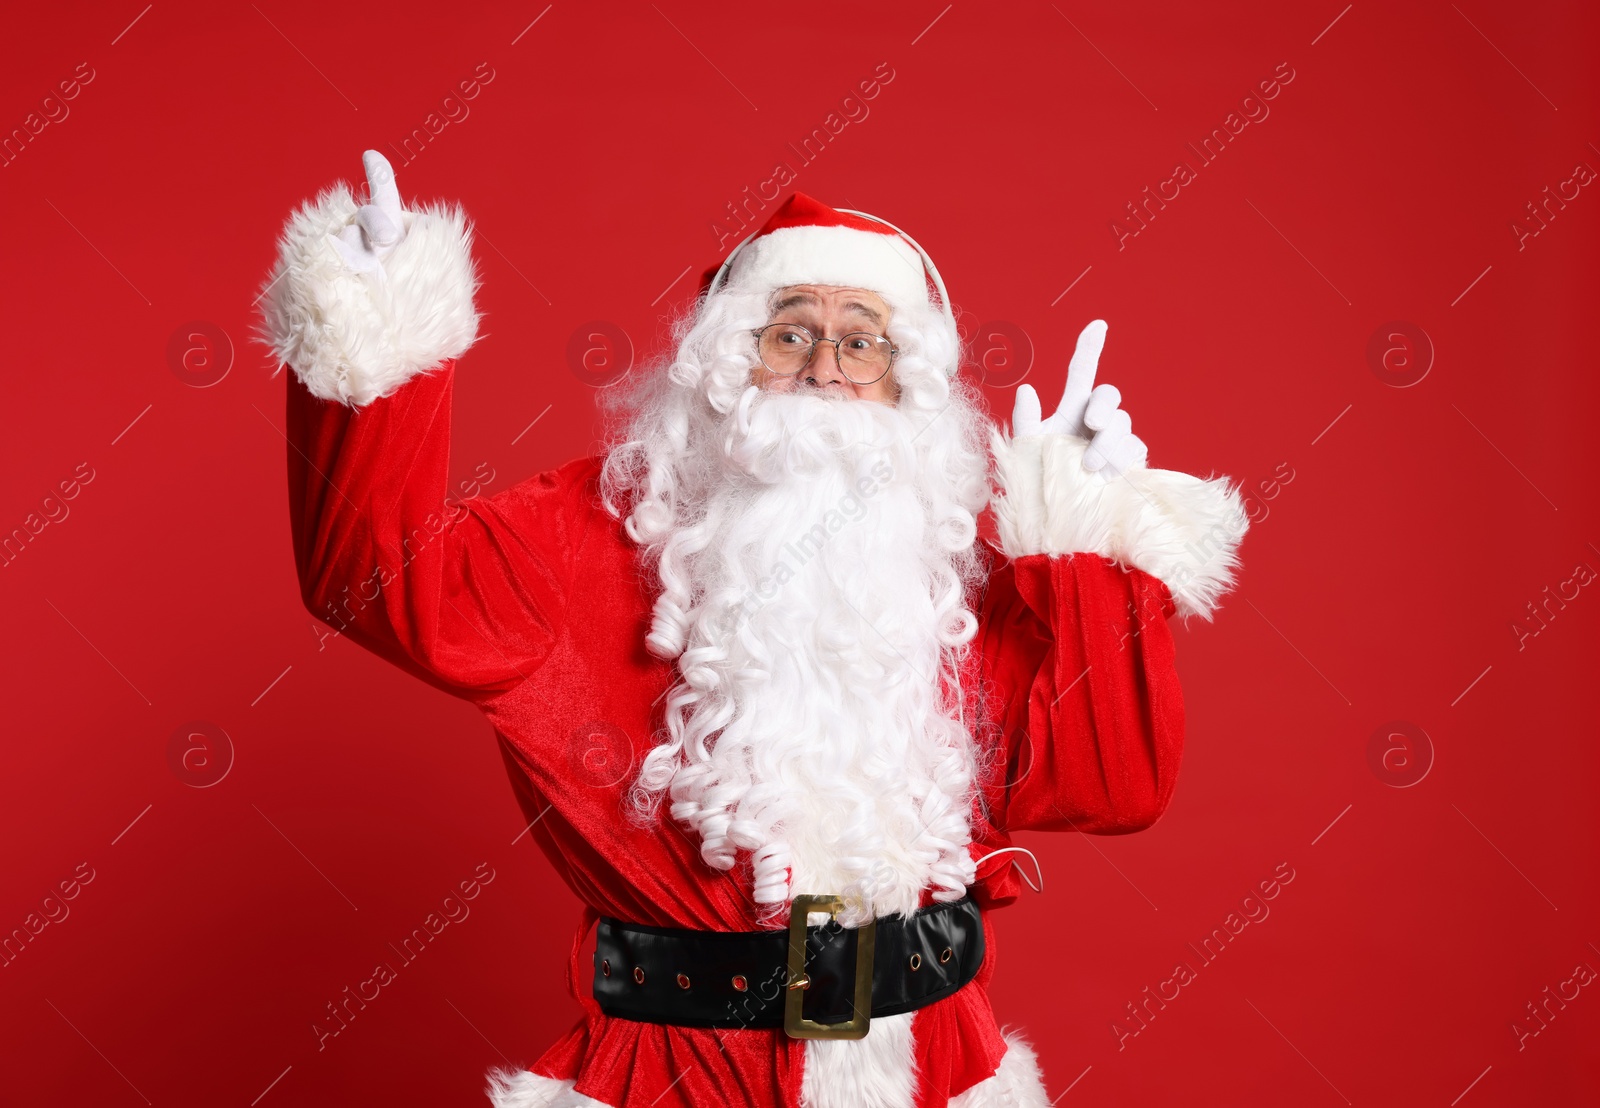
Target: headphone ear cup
722,272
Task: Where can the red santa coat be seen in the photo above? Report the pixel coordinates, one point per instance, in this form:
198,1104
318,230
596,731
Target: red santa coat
530,603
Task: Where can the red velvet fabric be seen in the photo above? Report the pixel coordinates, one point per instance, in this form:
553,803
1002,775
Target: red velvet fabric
530,604
801,210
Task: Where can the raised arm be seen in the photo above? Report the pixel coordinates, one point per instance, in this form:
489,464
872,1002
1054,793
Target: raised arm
370,306
1074,634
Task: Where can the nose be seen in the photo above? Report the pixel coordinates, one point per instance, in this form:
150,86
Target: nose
823,369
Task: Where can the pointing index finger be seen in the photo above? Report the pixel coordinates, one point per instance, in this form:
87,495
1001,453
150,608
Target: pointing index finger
382,190
1081,372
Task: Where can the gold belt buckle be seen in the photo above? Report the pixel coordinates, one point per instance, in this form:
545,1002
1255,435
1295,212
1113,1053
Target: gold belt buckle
797,1026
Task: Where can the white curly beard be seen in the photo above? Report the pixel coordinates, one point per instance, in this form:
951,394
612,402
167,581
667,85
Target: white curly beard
814,556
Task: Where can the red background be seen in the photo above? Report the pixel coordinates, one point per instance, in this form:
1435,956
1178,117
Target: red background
1381,581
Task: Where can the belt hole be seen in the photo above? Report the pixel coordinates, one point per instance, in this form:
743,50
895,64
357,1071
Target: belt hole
638,974
605,966
739,983
916,962
945,955
683,981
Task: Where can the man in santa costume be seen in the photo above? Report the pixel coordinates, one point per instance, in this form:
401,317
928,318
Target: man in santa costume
779,705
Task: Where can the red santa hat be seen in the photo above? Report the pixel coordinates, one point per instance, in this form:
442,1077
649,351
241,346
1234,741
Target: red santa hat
808,243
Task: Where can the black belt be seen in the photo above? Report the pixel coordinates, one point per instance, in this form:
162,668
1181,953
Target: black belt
822,982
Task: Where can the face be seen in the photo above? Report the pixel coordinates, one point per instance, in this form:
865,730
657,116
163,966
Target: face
829,312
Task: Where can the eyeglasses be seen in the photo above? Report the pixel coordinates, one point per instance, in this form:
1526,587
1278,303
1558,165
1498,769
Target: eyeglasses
787,348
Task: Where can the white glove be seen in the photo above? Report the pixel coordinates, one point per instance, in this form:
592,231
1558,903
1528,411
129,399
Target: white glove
366,295
380,224
1087,411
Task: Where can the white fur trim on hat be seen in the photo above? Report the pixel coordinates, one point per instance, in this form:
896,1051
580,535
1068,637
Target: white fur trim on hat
1183,530
884,263
354,337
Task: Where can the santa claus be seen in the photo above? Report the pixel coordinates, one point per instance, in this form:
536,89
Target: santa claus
773,705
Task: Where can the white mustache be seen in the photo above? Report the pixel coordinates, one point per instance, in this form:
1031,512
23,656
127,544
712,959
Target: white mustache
772,437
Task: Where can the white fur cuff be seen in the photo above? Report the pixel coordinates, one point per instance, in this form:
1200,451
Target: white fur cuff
1182,530
353,337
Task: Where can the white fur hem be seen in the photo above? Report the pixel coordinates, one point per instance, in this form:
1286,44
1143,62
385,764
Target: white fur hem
1183,530
1017,1083
354,337
850,1075
510,1088
879,1071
